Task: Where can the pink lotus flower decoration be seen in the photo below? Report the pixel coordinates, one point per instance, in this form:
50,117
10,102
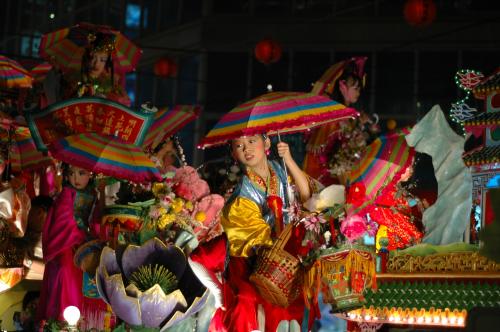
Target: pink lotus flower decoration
353,227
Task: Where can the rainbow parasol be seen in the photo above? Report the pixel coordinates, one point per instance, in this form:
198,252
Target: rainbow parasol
108,155
65,47
168,121
277,112
22,151
39,72
383,158
13,75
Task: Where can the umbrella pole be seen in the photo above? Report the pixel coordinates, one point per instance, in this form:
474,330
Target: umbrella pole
287,187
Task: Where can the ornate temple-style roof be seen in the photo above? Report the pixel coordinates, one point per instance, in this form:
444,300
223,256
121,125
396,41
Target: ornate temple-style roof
490,84
483,120
485,155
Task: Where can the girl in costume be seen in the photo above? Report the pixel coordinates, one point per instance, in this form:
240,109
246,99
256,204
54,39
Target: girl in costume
97,77
399,206
250,224
332,149
68,225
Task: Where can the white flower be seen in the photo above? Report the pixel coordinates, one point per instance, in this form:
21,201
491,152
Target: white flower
327,236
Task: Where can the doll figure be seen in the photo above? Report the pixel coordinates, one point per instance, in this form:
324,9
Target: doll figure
250,223
67,226
97,77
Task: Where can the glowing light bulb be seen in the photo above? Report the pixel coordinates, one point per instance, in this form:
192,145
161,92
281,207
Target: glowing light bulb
270,87
52,16
71,314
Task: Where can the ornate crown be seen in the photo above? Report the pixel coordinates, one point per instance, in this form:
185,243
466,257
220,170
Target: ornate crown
101,42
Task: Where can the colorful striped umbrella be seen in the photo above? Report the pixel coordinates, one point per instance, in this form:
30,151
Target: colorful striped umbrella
108,155
13,75
65,47
39,72
169,121
277,112
383,159
22,151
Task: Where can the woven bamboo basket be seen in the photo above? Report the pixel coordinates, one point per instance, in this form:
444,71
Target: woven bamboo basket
278,275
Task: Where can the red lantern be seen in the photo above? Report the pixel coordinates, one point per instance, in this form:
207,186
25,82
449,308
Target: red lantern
267,51
420,12
165,67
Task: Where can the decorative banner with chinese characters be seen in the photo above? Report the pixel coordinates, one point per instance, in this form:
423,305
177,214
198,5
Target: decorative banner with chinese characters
82,115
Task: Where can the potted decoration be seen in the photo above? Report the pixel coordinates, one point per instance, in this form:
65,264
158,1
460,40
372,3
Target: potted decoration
338,266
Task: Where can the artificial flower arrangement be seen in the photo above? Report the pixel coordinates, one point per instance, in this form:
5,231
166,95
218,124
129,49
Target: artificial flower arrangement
156,277
349,144
184,212
338,266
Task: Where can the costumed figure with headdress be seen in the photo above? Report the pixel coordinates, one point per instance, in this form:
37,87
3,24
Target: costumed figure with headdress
97,75
332,149
71,221
252,219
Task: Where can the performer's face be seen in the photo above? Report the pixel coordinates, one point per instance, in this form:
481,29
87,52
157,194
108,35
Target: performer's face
167,154
250,150
78,177
98,63
350,90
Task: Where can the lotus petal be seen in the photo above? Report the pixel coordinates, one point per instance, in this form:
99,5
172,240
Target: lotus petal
154,251
100,284
125,307
156,306
197,304
107,266
108,260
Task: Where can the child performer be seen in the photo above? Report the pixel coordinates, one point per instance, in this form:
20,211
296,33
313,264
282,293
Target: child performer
68,225
250,225
332,149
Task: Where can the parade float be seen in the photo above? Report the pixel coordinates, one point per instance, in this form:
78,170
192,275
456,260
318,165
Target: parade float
448,280
154,256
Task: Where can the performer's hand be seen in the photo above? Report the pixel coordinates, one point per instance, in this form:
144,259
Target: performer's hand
284,151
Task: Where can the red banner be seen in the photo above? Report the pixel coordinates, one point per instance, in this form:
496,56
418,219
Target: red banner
82,115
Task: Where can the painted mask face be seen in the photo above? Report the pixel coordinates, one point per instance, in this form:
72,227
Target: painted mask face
350,90
78,177
97,64
250,150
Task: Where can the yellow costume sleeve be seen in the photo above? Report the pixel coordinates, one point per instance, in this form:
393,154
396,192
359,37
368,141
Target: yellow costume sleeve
244,227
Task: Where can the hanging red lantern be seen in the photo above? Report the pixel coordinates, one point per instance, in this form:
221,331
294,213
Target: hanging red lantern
165,67
268,51
420,12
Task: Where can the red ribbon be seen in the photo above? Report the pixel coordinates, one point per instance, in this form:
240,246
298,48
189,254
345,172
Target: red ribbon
275,203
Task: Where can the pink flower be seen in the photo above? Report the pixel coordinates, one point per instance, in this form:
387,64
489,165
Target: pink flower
188,184
353,227
206,212
313,222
